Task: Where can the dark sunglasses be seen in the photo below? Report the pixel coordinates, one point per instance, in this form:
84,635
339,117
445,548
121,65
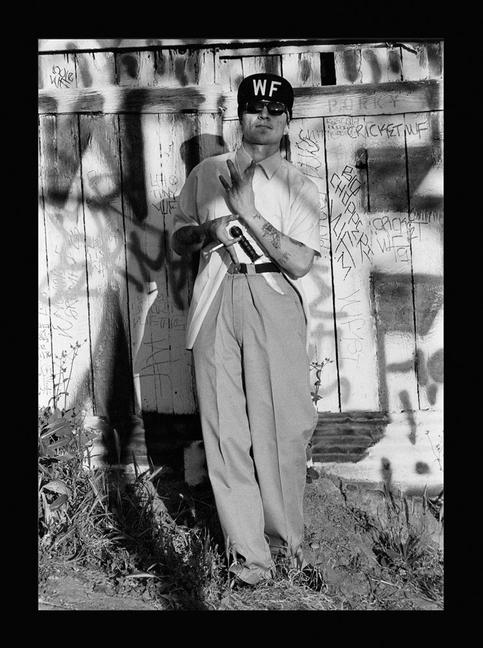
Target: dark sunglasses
273,107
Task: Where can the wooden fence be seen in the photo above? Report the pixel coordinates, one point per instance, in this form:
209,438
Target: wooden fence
121,124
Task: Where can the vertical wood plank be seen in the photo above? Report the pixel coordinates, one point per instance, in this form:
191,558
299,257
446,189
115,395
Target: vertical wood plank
45,366
232,134
146,262
435,59
302,69
95,69
57,71
184,67
392,278
414,62
352,256
380,64
66,256
136,69
204,61
347,63
424,135
175,131
229,73
307,152
210,129
106,263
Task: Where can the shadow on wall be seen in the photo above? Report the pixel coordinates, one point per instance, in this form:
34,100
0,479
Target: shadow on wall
114,398
392,298
166,434
112,391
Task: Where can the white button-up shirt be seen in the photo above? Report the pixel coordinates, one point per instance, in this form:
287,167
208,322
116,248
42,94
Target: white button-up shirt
284,196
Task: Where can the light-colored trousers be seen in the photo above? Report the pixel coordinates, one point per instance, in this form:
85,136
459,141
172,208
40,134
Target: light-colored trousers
257,415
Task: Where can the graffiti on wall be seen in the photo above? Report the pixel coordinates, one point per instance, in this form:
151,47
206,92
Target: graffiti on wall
354,238
352,246
390,291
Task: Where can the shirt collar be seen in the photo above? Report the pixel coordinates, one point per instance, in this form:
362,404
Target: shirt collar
270,165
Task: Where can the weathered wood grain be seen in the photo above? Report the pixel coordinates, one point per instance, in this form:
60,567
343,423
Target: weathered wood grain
301,69
391,276
256,64
45,365
380,64
228,72
106,266
307,152
424,135
347,63
180,68
145,204
370,99
136,69
232,134
57,71
134,100
248,46
95,69
51,44
352,256
307,45
65,280
175,132
414,62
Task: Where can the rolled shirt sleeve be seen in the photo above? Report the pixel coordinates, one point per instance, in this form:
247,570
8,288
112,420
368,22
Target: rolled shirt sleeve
186,212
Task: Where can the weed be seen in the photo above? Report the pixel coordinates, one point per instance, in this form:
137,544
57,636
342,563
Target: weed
401,546
311,473
318,366
122,527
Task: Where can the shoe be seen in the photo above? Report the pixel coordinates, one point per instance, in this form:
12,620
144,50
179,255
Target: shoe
251,576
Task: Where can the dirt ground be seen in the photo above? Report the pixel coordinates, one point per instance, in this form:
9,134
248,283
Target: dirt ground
336,539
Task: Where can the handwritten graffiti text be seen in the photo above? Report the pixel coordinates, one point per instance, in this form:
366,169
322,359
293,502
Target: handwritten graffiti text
352,241
61,78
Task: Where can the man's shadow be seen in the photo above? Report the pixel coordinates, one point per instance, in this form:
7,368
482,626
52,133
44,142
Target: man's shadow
167,435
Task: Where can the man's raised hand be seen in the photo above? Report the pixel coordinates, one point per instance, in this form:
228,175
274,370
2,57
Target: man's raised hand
239,195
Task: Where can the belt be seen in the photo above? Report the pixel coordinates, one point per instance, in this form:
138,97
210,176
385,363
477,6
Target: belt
251,268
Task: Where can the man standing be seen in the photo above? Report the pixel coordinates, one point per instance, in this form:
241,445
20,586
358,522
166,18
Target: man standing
247,328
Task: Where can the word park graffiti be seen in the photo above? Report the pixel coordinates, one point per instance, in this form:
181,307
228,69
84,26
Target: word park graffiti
377,103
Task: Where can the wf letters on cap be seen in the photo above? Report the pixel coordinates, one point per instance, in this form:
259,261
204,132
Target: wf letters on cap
265,86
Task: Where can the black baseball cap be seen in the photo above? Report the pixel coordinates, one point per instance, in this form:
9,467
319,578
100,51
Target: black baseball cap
265,86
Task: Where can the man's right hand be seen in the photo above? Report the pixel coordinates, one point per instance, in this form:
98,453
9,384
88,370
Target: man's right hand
191,238
217,231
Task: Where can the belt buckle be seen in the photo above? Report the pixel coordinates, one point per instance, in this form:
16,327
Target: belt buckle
251,270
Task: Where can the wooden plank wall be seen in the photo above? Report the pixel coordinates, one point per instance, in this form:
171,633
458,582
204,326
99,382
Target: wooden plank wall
119,130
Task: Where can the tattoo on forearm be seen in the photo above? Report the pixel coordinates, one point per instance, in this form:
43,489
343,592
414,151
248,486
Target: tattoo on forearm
271,233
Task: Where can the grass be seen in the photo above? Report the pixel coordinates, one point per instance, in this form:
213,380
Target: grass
156,537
